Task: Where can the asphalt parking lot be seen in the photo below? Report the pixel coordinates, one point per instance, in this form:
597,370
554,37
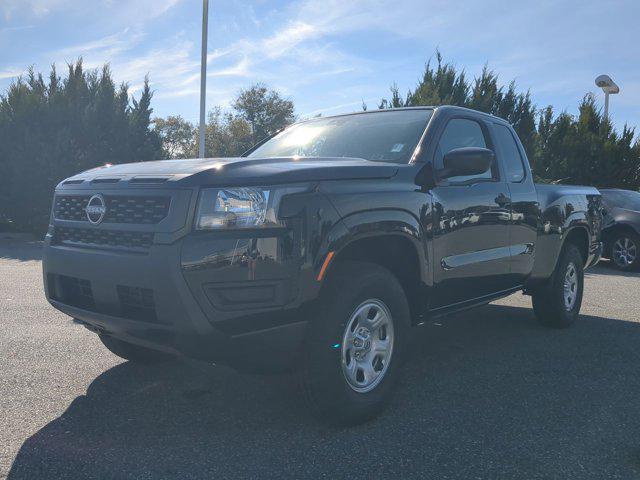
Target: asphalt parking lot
488,394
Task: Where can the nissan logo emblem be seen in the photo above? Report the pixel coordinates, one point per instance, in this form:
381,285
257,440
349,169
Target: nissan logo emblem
95,209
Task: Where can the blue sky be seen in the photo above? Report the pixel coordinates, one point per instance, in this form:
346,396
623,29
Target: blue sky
329,55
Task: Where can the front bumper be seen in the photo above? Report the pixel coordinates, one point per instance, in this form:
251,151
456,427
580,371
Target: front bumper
231,300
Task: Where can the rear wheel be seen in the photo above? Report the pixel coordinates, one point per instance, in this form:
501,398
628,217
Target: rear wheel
625,251
557,303
355,343
133,353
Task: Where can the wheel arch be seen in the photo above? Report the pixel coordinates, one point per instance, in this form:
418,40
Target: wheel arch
578,236
619,227
393,240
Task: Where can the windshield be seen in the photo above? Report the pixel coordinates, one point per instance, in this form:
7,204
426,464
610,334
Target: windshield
385,136
622,199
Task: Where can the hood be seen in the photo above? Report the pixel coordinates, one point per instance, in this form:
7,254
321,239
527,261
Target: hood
238,171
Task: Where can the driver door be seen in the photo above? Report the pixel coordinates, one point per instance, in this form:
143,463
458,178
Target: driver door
471,222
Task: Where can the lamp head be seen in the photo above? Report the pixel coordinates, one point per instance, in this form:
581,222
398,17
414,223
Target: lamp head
607,84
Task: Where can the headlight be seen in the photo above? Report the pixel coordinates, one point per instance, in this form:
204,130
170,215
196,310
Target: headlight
233,208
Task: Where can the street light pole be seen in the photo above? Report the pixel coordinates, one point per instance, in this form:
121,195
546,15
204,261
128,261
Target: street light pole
203,74
609,87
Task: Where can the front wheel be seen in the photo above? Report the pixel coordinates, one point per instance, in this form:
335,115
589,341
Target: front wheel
557,303
355,343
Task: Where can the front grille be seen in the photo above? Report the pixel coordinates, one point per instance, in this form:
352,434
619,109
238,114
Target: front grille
120,208
137,303
71,207
103,238
148,210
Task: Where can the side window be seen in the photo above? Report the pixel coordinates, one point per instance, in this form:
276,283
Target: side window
513,165
461,132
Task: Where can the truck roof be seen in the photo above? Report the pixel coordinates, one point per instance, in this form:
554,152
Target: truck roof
421,107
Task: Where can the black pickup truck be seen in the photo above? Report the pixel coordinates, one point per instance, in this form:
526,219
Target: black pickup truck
320,249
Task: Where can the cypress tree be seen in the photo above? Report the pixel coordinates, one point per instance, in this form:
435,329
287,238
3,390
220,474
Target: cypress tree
52,129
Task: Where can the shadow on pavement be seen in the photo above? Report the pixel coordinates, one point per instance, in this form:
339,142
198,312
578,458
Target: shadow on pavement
605,267
488,394
20,249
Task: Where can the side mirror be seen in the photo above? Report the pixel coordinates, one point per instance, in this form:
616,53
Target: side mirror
466,161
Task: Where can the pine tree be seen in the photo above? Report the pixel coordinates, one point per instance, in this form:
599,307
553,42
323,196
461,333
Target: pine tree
53,129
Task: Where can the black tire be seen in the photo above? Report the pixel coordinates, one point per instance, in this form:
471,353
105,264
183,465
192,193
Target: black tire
551,307
350,288
133,353
625,256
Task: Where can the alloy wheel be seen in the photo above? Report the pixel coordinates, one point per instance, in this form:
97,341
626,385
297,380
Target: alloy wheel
570,287
625,252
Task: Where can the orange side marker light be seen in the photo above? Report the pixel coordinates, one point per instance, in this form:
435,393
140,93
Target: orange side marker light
326,263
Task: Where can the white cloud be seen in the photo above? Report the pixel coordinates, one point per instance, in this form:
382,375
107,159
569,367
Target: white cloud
239,69
15,28
184,92
105,47
166,66
289,38
128,8
37,8
10,73
288,50
163,6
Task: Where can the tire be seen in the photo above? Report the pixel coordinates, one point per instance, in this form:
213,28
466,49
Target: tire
133,353
557,303
344,380
625,251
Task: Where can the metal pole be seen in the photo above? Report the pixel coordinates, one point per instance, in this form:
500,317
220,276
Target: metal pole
606,106
203,74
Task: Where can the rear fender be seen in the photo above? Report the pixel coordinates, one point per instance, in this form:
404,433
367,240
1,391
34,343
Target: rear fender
558,223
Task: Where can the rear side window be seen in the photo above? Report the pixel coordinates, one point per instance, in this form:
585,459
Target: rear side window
461,132
513,165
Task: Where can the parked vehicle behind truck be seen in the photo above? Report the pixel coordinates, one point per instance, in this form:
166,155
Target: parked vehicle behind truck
621,228
319,250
